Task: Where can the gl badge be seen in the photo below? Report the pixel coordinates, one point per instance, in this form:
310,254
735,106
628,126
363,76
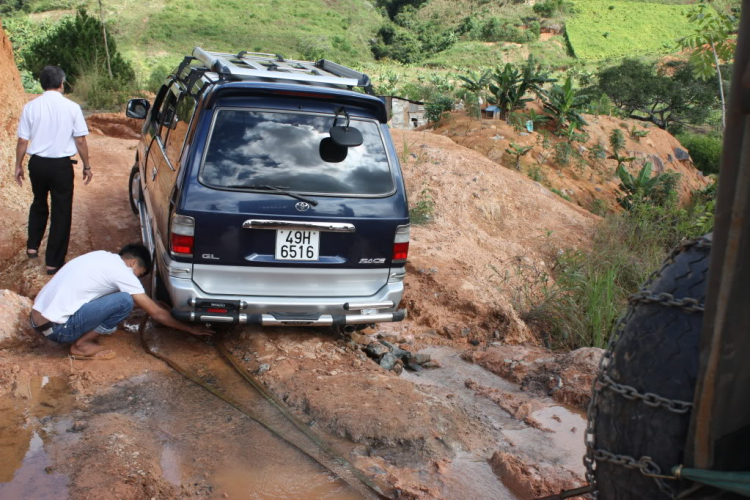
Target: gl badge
302,206
372,261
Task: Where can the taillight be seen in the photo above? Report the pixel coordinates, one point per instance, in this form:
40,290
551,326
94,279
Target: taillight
401,244
182,235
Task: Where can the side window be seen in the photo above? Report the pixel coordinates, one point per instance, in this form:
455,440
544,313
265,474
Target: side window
180,123
167,115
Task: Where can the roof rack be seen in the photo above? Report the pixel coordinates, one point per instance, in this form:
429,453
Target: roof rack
251,65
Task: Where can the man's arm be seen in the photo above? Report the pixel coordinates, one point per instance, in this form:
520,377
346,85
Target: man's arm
162,316
83,151
21,147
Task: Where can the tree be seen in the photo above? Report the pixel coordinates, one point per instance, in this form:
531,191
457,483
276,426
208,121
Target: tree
564,106
646,94
517,151
711,42
643,187
75,44
476,84
511,86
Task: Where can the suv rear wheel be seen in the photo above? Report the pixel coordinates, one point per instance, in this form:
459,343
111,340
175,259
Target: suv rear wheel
134,184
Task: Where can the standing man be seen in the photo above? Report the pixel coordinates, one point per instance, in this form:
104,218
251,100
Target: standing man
92,294
51,130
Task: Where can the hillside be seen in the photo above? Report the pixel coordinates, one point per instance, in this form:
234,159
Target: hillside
14,200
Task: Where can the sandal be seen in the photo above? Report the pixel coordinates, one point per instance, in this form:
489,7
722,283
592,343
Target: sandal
32,255
103,355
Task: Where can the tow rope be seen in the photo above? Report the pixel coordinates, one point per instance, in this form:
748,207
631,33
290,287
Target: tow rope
370,488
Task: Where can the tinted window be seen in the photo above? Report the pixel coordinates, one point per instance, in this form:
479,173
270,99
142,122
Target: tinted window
180,124
252,148
167,116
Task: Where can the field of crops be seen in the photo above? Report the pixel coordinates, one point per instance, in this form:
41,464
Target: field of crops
602,29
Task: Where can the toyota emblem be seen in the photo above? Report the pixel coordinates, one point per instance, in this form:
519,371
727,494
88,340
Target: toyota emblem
302,206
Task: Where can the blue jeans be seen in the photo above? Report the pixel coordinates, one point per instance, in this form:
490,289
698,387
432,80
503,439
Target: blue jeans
100,315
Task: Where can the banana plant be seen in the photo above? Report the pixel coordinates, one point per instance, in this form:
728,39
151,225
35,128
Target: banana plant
564,106
639,187
476,83
517,151
510,86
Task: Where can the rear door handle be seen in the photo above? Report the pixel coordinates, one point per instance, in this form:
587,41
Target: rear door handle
331,227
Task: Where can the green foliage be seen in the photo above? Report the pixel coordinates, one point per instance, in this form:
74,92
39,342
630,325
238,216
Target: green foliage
599,207
422,212
76,44
704,150
386,82
644,188
495,29
637,134
597,153
100,92
632,28
579,307
712,35
561,194
438,107
22,33
517,151
549,8
393,7
476,82
535,173
564,106
617,140
157,77
564,151
643,93
510,86
409,39
30,84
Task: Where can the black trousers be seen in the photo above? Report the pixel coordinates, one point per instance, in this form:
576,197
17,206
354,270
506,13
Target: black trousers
51,176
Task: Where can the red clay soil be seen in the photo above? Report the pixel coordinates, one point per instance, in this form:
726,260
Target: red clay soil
594,179
14,201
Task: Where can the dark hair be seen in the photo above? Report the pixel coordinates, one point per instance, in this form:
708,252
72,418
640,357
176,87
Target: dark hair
51,77
137,251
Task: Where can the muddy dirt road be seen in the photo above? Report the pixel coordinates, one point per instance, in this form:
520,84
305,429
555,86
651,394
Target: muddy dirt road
131,428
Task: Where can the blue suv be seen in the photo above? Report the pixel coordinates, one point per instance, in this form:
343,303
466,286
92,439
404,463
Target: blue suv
270,193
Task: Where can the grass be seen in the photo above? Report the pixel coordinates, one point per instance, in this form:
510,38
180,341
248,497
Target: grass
602,29
578,304
162,31
472,55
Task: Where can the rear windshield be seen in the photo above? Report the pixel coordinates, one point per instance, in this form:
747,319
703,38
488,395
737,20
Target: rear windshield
283,150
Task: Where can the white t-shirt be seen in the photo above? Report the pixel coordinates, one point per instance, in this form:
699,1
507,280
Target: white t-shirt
82,280
50,122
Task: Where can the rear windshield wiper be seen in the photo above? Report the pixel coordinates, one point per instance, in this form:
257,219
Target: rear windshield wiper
276,189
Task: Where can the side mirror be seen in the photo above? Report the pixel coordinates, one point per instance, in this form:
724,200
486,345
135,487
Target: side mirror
346,136
137,108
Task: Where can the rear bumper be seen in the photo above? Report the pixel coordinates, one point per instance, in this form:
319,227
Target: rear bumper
191,303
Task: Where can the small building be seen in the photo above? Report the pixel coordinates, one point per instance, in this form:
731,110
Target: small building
405,113
492,112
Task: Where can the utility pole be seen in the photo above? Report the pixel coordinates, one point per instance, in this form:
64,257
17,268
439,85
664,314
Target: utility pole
104,33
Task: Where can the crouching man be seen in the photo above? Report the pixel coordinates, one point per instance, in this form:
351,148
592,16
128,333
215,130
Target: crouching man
91,294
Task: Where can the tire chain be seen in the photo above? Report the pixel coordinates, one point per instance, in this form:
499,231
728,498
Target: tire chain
645,465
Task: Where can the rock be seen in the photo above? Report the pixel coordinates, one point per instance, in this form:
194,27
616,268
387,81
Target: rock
376,350
681,154
474,342
413,367
432,364
358,338
263,368
658,163
398,368
419,358
465,331
388,361
15,329
397,351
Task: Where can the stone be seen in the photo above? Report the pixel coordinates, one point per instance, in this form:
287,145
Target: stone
359,338
263,368
432,364
465,331
681,154
397,351
474,342
78,426
398,368
413,367
376,350
388,361
419,358
658,163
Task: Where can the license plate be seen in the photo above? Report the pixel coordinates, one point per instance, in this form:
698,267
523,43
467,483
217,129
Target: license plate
297,245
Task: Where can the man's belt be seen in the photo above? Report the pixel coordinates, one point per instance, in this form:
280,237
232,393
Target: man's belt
45,329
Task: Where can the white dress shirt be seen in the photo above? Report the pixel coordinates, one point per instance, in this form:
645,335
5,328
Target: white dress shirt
51,122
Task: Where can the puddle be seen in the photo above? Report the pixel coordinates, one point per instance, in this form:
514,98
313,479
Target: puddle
23,458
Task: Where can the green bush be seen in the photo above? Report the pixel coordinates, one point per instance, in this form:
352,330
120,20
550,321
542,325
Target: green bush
589,289
440,105
704,150
100,92
422,212
496,29
76,44
158,75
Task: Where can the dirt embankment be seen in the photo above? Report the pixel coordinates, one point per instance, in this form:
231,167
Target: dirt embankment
14,200
485,220
590,178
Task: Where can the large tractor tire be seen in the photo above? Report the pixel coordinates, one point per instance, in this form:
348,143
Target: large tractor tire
655,356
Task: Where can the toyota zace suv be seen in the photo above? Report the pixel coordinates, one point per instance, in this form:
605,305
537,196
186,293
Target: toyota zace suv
270,193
